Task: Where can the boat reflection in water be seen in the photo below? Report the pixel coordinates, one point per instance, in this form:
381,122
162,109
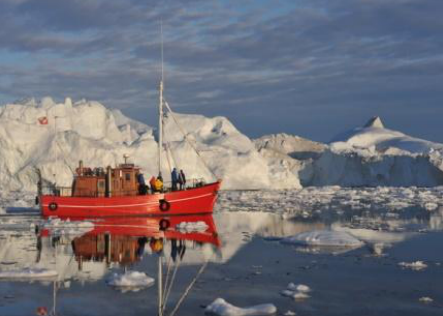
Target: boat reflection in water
122,242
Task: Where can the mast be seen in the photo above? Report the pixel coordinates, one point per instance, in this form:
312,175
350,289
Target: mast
160,108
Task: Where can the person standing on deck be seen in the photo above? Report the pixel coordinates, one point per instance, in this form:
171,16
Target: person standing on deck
174,179
152,184
182,180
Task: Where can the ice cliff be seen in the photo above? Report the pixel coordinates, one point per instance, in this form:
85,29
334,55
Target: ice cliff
55,136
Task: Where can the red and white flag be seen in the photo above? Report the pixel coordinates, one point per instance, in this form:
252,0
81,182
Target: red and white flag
43,120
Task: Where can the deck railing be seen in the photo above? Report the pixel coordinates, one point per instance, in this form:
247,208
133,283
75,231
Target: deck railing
167,187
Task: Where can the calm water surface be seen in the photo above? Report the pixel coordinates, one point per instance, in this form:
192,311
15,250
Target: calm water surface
247,264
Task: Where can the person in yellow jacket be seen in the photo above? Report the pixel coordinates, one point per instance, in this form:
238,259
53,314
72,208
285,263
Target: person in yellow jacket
158,185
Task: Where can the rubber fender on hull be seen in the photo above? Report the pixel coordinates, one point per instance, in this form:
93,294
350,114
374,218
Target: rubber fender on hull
53,206
164,224
164,205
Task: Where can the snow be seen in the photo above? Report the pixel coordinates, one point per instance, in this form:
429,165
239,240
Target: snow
323,238
28,274
131,281
188,227
417,265
220,307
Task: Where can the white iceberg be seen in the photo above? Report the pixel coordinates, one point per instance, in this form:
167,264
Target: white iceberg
222,308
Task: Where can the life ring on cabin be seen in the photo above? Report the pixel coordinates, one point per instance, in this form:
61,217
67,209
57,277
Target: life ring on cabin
164,205
164,224
53,206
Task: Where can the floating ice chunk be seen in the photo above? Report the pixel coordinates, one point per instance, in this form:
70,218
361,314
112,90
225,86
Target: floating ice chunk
222,308
131,281
324,238
28,273
425,300
300,296
431,206
417,265
296,291
298,287
290,313
188,227
66,227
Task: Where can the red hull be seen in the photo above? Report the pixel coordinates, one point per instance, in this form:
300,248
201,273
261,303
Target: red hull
199,200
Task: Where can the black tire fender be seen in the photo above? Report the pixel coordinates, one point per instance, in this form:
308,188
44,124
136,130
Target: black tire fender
53,206
164,224
164,205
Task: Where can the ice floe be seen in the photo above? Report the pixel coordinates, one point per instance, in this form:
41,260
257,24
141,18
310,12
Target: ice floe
131,281
425,300
188,227
296,291
323,238
28,274
417,265
66,227
220,307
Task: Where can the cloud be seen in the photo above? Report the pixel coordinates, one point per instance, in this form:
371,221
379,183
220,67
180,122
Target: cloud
302,59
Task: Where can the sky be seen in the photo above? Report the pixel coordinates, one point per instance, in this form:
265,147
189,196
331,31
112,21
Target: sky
312,68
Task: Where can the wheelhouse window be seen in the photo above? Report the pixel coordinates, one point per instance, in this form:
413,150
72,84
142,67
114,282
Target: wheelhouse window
128,177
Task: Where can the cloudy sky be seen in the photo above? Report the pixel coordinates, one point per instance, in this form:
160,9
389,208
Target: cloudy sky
308,67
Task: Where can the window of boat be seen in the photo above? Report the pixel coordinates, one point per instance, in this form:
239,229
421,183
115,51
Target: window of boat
128,176
101,184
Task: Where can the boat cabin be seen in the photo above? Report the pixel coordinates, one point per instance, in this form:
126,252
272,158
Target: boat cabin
123,180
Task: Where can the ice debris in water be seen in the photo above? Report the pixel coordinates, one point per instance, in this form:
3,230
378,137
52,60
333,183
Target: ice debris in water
222,308
66,227
425,300
417,265
297,291
188,227
323,238
131,281
28,273
290,313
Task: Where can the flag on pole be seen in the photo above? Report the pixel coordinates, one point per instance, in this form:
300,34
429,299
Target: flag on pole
43,120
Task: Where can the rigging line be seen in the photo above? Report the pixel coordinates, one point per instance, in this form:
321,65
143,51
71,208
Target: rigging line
168,290
64,156
188,289
186,139
167,275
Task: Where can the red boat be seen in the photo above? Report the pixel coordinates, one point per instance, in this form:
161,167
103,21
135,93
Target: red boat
121,191
92,196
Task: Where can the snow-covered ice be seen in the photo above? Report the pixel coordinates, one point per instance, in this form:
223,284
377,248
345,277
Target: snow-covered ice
220,307
28,274
366,156
425,300
323,238
188,227
60,227
296,291
417,265
131,281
